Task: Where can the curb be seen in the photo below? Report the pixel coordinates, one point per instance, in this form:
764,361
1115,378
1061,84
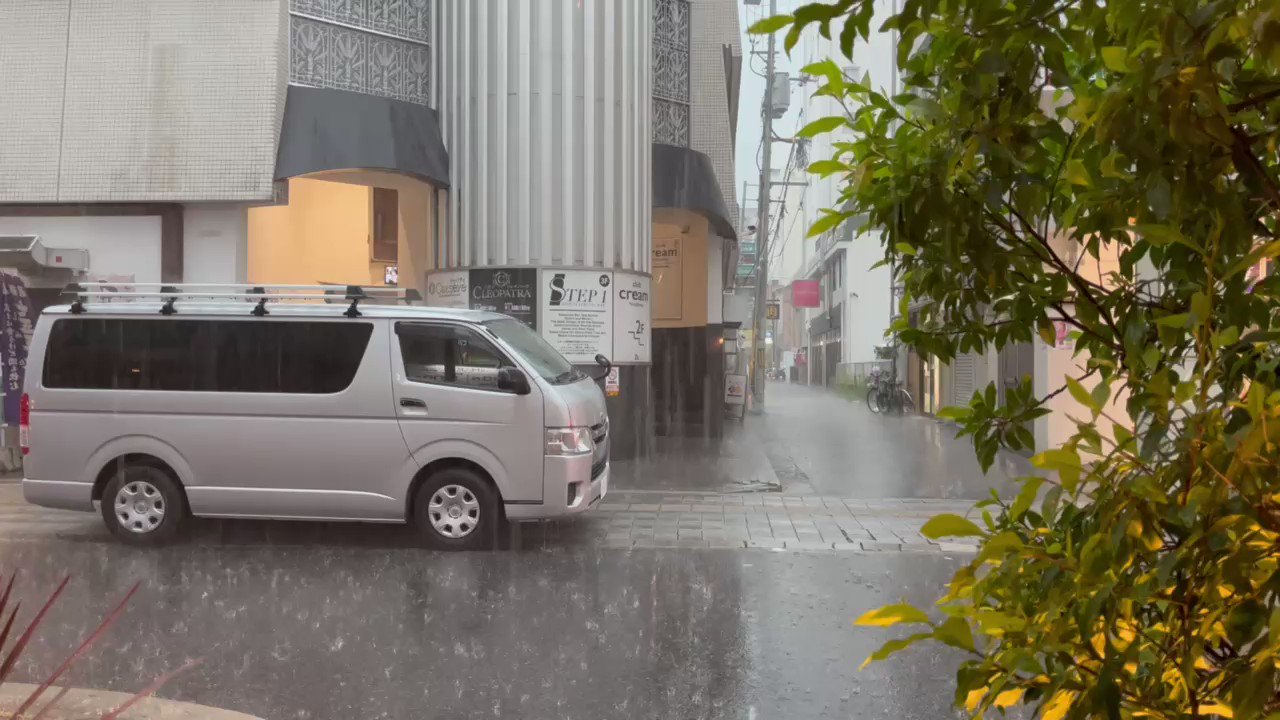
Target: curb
87,704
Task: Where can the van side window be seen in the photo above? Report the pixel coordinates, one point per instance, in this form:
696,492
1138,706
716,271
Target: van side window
204,355
449,354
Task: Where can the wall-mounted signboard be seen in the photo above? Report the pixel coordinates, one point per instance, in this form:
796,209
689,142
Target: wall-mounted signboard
668,278
582,313
508,291
632,334
576,314
448,289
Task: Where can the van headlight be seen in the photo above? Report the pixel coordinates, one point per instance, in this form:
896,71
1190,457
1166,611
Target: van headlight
569,441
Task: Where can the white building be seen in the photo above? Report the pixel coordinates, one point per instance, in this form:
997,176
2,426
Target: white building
514,144
840,335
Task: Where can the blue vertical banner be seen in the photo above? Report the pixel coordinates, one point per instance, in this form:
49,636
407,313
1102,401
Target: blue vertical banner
15,338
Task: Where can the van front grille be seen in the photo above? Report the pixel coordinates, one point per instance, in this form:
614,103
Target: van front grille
600,459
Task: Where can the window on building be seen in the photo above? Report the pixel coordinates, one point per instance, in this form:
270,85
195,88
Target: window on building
205,355
449,354
386,223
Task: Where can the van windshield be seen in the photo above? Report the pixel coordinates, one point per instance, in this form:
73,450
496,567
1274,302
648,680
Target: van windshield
544,359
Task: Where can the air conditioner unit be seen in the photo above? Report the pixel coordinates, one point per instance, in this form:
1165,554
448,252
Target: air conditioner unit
41,266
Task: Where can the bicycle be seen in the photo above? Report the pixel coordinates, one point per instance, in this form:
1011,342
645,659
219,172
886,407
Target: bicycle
889,395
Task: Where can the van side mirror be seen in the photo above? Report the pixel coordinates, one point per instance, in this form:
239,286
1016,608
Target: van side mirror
512,379
604,363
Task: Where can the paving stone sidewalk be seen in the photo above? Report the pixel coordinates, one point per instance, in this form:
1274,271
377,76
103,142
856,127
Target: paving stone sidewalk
767,520
625,519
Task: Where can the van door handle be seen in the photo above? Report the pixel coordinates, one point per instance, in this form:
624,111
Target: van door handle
412,403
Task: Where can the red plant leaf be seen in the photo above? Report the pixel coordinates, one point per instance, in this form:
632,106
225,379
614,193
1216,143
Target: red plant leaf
4,599
16,651
49,705
4,635
150,689
84,647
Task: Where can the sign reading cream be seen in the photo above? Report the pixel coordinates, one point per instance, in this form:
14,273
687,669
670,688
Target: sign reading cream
632,335
668,278
448,289
576,313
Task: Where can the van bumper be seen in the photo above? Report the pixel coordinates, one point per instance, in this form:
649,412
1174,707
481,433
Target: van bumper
567,489
61,494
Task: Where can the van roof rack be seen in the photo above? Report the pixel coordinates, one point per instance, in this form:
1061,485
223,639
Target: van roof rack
169,293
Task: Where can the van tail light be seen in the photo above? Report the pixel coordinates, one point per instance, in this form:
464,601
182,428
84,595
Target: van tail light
24,424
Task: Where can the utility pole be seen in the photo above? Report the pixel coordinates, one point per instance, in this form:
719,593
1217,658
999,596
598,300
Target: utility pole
762,229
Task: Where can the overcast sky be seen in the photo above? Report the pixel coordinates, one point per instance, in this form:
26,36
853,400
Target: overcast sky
751,96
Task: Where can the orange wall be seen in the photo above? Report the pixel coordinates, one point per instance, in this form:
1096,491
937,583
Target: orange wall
322,235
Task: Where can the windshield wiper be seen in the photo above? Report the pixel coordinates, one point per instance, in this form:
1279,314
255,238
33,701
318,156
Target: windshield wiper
565,376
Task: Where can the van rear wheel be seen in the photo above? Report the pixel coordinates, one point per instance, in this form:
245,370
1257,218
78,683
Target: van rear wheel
456,509
143,505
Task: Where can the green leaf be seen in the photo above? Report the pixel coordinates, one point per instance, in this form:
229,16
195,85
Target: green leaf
1177,320
1226,337
1199,308
1026,496
1245,622
1082,396
827,69
956,633
1076,173
827,167
950,525
1161,235
821,125
904,249
1116,59
1101,393
894,646
825,223
770,24
892,615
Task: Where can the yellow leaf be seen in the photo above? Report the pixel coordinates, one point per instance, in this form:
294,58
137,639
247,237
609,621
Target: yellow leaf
1216,709
1202,664
1058,705
975,697
1008,698
891,615
1099,643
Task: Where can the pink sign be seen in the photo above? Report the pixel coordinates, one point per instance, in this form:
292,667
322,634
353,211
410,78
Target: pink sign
804,293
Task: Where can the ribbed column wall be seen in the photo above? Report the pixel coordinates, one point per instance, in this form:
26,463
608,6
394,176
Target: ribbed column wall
545,111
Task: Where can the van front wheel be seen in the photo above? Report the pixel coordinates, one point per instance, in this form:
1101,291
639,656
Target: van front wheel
143,505
455,509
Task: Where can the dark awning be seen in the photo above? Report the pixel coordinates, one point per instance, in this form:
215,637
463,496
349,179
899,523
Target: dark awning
328,129
685,179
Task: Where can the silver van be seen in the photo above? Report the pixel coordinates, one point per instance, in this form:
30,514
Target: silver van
239,402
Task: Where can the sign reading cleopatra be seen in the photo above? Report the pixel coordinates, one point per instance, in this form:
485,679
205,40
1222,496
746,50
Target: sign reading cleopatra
508,291
805,293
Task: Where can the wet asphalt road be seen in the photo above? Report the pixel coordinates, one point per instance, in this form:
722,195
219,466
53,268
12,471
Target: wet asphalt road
812,441
334,632
350,621
841,448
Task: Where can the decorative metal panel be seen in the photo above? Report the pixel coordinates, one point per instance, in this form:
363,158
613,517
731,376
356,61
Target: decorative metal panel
375,47
407,19
670,122
671,72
